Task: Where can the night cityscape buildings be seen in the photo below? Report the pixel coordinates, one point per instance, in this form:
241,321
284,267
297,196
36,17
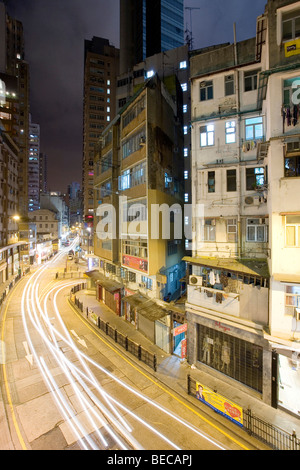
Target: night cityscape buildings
187,215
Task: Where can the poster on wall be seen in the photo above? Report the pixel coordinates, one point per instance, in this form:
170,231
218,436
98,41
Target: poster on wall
135,263
219,404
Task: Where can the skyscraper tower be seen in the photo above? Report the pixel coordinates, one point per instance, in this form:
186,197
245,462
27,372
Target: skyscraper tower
148,27
101,67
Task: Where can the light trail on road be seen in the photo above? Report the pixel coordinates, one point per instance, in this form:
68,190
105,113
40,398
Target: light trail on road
98,415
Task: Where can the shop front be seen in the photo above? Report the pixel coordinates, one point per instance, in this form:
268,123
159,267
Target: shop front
110,293
287,373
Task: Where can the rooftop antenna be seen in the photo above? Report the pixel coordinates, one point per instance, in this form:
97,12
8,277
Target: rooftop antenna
189,33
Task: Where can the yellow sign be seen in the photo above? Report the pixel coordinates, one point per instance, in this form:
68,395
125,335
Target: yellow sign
292,48
220,404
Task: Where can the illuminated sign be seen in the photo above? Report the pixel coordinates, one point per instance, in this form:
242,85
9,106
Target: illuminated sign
2,92
138,264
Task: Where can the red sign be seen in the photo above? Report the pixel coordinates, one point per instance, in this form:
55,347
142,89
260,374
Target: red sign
183,349
138,264
180,329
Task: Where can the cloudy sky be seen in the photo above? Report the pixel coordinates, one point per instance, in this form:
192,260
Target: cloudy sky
55,31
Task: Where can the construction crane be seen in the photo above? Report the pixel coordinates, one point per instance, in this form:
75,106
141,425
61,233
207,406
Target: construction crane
189,33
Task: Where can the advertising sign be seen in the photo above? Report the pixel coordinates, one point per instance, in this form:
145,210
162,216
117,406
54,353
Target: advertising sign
292,48
138,264
220,404
183,349
180,329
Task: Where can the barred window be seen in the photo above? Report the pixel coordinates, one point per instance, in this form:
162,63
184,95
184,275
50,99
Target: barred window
232,356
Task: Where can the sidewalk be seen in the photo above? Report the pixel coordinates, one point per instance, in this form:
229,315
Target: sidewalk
172,371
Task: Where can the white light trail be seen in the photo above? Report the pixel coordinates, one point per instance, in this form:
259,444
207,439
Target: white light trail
97,415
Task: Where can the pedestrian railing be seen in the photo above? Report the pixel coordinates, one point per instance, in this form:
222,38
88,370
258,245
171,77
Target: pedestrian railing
271,435
69,275
11,284
120,338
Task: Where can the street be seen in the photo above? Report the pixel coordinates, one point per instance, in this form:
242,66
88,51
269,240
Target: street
64,387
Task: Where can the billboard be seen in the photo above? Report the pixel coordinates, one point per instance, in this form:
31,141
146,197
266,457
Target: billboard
219,404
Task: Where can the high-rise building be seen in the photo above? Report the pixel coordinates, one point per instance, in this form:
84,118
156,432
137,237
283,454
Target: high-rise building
101,67
148,27
43,172
34,167
12,63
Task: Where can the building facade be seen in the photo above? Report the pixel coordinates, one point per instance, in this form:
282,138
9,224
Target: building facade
34,167
101,67
242,296
138,175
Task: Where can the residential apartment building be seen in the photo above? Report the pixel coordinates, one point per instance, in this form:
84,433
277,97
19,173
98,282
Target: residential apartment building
101,67
243,295
34,167
137,168
43,172
14,67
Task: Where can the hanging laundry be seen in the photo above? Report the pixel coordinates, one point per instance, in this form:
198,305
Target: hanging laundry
295,114
212,279
217,278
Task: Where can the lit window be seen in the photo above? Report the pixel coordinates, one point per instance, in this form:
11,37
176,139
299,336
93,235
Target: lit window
108,118
108,82
207,135
186,197
185,130
108,109
186,175
230,131
184,86
292,231
150,73
185,152
255,177
185,108
108,91
254,128
183,64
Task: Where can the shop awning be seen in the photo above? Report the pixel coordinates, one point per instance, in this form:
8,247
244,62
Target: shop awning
146,307
247,267
292,278
108,284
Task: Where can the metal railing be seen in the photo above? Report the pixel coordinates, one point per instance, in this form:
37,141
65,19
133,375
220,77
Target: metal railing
120,338
271,435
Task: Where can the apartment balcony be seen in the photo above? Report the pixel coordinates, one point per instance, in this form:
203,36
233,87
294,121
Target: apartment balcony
213,299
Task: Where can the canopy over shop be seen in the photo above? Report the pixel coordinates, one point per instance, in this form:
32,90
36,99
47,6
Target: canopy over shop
108,291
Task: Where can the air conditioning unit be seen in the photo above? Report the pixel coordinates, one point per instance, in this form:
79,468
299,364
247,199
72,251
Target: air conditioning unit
195,280
297,313
142,284
252,200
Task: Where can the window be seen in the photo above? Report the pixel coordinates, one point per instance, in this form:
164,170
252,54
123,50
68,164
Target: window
231,180
290,25
184,108
211,182
290,91
230,132
231,230
186,197
292,166
206,91
133,177
254,128
292,231
292,296
148,281
186,175
133,144
207,135
184,86
137,248
256,230
254,177
172,247
250,80
229,85
183,64
209,230
185,152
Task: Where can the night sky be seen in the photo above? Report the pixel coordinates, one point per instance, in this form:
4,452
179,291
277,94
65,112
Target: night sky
55,31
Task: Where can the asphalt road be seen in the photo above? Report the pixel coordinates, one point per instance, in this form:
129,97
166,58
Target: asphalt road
65,387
